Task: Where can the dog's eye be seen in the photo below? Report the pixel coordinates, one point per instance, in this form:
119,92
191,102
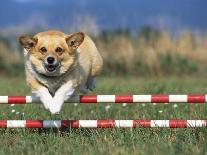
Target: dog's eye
43,49
58,50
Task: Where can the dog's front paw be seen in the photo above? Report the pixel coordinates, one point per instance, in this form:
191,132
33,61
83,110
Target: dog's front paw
56,105
44,96
46,102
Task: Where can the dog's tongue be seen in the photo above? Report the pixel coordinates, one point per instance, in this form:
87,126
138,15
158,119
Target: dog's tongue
51,67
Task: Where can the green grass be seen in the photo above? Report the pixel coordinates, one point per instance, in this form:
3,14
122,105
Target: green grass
109,141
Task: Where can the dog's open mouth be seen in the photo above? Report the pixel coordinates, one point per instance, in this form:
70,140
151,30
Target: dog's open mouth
51,68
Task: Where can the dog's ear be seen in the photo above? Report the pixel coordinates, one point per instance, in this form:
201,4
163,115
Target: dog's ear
74,40
27,42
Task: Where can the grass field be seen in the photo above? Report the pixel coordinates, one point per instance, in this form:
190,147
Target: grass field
109,141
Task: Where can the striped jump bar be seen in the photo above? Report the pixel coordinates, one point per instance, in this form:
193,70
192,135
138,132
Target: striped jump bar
160,98
102,123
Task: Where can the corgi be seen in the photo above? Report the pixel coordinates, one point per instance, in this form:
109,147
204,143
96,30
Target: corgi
58,66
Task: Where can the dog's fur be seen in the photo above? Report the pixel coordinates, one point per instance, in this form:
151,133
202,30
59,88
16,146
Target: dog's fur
78,63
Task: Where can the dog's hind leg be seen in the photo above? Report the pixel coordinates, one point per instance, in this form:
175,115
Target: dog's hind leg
91,83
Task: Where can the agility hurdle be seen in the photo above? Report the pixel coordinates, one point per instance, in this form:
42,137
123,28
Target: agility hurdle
156,98
102,123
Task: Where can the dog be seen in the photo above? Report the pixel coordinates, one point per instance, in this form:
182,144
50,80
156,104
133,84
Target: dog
58,66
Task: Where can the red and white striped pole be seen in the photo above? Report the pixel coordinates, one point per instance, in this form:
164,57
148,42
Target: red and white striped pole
102,123
160,98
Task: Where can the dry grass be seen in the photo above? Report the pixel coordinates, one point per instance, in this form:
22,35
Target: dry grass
147,53
10,61
7,54
154,55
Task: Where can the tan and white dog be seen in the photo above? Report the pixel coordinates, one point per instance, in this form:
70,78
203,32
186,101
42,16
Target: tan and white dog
60,65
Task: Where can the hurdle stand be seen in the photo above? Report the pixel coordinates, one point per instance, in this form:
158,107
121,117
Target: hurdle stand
159,98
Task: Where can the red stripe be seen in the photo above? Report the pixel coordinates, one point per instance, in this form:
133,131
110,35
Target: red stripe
178,123
160,98
141,123
105,123
124,98
3,123
16,99
34,123
194,98
70,123
88,98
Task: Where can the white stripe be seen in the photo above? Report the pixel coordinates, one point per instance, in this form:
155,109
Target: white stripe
206,97
88,123
105,98
28,99
160,123
196,123
52,123
3,99
16,123
124,123
142,98
178,98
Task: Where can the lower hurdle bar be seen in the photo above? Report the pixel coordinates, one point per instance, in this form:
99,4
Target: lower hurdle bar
160,98
102,123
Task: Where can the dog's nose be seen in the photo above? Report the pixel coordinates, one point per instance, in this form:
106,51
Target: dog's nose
50,60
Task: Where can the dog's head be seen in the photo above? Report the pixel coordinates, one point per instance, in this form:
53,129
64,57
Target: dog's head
52,53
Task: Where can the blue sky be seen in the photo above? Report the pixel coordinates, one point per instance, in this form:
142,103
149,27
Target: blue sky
173,15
